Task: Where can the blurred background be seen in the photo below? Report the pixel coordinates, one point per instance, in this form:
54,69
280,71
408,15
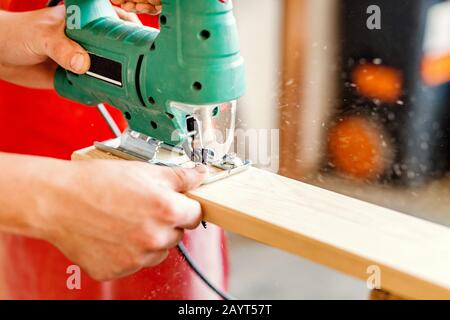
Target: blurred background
350,95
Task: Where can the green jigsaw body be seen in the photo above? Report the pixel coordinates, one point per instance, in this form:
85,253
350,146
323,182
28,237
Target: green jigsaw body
194,59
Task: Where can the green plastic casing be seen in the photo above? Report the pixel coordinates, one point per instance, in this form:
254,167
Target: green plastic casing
194,59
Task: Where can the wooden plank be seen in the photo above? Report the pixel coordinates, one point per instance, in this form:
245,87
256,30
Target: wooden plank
343,233
382,295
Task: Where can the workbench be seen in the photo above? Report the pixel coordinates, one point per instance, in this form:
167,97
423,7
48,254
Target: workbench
346,234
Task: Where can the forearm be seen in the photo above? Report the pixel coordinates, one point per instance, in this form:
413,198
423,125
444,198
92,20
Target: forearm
26,185
9,33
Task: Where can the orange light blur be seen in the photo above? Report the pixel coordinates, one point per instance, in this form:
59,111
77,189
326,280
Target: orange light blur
378,82
436,70
355,147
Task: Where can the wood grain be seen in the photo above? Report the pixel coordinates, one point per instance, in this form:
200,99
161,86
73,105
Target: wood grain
340,232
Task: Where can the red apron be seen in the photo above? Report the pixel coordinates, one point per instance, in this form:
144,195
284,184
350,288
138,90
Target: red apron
38,122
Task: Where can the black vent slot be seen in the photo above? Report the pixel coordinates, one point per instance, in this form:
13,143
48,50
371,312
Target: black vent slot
106,70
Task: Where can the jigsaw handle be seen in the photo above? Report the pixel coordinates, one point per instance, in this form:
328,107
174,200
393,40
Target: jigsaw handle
116,49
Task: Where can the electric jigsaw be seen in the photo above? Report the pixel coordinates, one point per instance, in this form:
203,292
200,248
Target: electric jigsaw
177,87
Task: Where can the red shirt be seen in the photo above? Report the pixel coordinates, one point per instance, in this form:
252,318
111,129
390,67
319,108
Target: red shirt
38,122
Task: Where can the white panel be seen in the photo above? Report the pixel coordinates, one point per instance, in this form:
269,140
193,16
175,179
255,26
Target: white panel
318,92
259,31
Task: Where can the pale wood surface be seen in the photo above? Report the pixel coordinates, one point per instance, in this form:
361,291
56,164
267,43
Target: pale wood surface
335,230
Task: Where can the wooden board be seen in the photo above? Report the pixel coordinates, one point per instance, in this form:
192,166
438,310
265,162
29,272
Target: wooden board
343,233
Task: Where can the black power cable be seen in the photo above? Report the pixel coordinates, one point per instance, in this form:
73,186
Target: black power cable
190,261
181,247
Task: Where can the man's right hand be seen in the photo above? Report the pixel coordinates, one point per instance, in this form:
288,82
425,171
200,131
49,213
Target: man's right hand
113,218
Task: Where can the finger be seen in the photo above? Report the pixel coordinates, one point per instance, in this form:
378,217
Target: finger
157,7
145,8
172,238
140,6
165,237
183,180
128,16
129,6
182,212
155,258
65,52
155,2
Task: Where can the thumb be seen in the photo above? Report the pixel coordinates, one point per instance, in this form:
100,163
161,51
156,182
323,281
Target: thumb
68,54
183,180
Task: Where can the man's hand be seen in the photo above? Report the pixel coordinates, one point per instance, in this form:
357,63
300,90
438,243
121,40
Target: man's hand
34,43
111,218
117,218
140,6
